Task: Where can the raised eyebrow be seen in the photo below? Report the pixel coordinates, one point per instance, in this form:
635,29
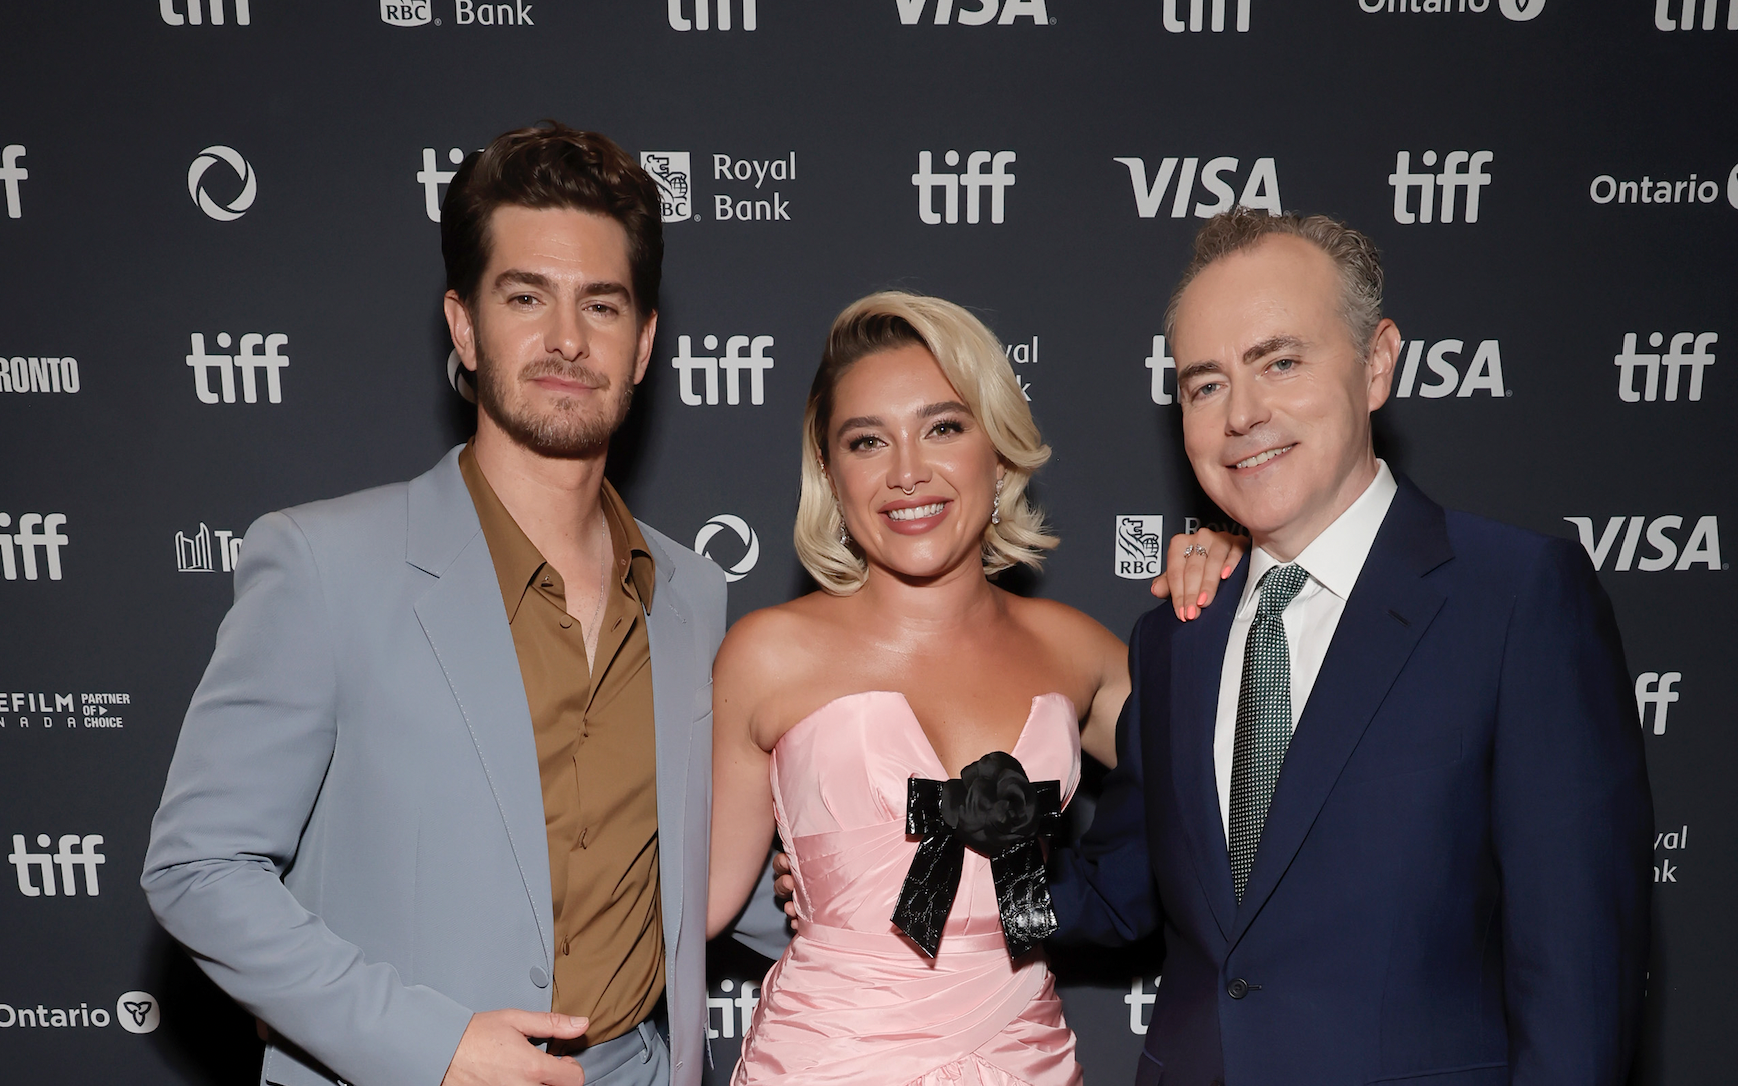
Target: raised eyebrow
1272,345
943,408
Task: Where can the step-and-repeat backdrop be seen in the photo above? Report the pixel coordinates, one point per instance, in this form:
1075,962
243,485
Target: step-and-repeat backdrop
219,295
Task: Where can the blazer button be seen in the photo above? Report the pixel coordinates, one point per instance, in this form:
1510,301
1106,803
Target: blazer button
1237,989
539,977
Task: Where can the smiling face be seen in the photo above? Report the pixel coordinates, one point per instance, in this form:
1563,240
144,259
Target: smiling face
553,335
1276,401
914,471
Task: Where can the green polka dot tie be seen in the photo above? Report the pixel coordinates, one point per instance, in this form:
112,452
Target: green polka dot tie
1263,718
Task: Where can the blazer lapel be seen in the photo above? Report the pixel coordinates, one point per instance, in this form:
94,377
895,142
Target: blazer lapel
462,615
1386,615
676,684
1197,658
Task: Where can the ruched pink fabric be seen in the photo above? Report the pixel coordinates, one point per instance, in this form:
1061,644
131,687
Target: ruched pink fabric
852,1000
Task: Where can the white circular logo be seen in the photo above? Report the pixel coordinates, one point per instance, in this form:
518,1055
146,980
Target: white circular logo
137,1012
743,532
237,207
460,377
1521,10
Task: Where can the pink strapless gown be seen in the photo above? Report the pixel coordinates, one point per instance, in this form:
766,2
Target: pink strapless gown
852,1000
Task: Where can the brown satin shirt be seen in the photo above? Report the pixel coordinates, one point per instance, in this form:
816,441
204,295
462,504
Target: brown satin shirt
597,754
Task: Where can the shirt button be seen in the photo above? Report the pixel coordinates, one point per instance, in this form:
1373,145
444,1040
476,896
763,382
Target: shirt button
567,624
1237,989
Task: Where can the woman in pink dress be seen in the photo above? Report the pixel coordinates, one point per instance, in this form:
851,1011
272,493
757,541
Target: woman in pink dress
911,694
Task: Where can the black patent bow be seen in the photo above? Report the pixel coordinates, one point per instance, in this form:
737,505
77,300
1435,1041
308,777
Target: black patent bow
995,810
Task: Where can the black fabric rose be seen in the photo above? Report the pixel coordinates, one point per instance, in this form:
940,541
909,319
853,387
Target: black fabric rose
991,805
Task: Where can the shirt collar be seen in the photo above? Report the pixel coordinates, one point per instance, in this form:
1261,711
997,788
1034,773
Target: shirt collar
1334,558
632,556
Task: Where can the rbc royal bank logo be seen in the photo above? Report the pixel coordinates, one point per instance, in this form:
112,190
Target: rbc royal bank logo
1199,19
11,173
1484,373
750,551
1702,548
195,13
1140,545
73,853
974,180
673,171
36,532
733,362
247,359
406,12
1260,190
1689,351
240,202
1461,170
979,13
703,11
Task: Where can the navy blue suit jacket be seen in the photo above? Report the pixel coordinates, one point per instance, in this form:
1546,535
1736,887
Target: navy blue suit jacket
1453,883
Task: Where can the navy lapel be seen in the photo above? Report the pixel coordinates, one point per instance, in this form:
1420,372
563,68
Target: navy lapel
466,624
1197,659
1386,615
674,711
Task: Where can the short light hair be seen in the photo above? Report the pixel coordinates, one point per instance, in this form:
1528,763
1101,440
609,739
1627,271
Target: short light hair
974,362
1354,254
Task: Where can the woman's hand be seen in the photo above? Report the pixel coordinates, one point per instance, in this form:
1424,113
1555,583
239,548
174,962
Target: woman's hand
1189,580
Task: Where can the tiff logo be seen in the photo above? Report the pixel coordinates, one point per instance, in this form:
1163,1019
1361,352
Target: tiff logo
1686,19
1140,1002
11,173
432,178
195,16
1484,372
1702,548
730,1009
1673,361
247,361
974,181
1161,363
193,553
982,13
1174,24
1460,170
756,362
35,531
1656,689
72,852
1260,191
703,15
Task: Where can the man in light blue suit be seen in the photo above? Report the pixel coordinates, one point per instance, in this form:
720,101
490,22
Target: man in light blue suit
439,810
1386,800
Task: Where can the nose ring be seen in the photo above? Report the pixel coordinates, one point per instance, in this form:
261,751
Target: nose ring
908,489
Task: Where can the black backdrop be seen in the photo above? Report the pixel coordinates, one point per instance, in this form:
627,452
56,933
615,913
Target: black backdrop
251,182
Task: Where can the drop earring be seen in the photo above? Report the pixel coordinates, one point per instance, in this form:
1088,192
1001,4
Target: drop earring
996,509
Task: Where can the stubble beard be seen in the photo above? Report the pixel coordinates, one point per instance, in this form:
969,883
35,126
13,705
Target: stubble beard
568,431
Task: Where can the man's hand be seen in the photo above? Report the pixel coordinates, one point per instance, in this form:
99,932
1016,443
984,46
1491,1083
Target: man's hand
784,884
496,1051
1188,580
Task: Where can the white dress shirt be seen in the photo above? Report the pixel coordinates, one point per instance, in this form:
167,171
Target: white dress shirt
1333,561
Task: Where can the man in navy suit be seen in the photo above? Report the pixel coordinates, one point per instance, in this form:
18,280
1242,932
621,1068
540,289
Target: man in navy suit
1387,801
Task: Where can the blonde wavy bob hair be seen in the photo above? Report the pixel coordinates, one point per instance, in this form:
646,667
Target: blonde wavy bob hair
976,365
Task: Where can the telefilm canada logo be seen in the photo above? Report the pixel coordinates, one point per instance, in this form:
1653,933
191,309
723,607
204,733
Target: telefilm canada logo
39,536
728,525
699,384
135,1012
1462,172
1515,11
195,12
11,174
688,15
34,710
974,12
235,206
1681,14
73,853
1442,378
983,170
1205,15
38,374
259,359
1639,373
1260,189
1621,538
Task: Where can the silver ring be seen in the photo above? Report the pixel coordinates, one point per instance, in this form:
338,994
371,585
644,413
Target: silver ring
1194,548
